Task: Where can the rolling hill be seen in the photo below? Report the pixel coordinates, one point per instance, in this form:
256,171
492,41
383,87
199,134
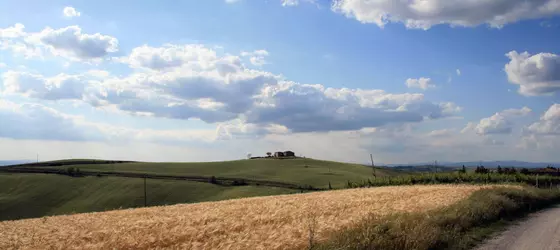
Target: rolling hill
24,195
300,171
37,195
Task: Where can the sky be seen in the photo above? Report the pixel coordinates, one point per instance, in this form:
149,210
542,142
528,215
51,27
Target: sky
407,81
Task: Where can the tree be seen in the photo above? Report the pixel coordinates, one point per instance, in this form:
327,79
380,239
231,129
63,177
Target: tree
463,170
268,154
213,180
525,171
500,170
481,170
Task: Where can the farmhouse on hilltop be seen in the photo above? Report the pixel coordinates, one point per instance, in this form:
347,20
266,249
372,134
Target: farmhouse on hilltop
284,154
289,154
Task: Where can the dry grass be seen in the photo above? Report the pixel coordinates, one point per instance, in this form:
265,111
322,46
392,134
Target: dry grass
275,222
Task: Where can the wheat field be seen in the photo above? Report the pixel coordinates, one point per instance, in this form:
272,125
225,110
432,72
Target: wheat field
273,222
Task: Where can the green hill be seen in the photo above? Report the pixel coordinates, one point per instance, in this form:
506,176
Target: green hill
37,195
298,171
24,195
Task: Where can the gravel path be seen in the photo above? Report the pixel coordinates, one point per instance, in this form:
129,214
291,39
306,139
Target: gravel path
540,231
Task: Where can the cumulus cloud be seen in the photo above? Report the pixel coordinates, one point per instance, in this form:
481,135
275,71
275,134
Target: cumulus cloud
458,71
193,82
70,42
71,12
549,123
256,57
423,14
58,87
13,32
33,121
171,56
421,83
499,123
13,38
39,122
537,74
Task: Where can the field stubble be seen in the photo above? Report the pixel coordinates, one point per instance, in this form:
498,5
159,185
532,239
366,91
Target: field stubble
274,222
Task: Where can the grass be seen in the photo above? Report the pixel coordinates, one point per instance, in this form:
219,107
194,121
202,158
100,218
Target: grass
459,226
298,171
273,222
36,195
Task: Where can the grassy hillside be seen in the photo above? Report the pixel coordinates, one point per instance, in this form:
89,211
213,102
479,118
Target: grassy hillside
298,171
36,195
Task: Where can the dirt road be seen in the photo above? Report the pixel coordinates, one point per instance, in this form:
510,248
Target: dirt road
539,231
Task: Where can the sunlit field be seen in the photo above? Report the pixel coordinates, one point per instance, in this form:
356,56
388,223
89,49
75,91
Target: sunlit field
274,222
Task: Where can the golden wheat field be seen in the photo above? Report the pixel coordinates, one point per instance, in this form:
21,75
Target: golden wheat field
273,222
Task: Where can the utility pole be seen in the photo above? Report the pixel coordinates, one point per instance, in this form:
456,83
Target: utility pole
145,199
37,157
435,165
372,165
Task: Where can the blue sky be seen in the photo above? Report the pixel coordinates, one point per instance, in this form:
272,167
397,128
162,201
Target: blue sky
215,80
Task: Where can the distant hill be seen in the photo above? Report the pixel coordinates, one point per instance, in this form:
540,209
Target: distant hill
491,164
6,163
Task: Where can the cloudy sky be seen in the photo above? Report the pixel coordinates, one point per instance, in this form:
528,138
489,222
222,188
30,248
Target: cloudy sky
187,80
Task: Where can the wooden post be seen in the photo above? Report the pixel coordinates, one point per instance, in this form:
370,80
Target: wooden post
372,165
145,197
537,180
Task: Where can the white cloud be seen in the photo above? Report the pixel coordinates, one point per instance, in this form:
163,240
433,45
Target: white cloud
458,71
423,14
199,84
537,74
38,122
12,38
33,121
499,123
289,2
98,73
422,83
70,12
549,123
256,57
232,1
3,65
194,56
59,87
13,32
70,42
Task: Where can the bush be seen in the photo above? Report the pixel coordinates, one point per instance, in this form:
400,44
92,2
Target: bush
213,180
239,183
71,171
